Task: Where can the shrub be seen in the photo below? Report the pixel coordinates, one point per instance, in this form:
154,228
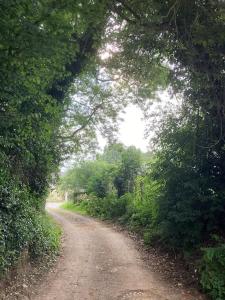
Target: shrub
117,207
212,271
22,226
45,237
96,206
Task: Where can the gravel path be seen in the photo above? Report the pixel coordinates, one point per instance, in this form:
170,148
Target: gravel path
99,263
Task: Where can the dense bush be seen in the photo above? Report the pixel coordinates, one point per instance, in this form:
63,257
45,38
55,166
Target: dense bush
191,204
25,229
113,172
212,271
109,207
45,237
22,226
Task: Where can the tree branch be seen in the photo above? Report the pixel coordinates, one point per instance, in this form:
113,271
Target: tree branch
89,119
138,18
60,86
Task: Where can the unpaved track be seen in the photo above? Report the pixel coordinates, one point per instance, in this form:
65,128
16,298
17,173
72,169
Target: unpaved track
99,263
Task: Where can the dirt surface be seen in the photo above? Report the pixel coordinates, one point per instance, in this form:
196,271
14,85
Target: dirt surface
100,263
22,282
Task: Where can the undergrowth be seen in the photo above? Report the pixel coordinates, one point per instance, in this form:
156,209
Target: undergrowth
79,208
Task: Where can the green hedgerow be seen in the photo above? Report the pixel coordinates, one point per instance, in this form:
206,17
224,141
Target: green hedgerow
212,271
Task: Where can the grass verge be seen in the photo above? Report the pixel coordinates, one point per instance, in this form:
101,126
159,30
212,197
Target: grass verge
74,208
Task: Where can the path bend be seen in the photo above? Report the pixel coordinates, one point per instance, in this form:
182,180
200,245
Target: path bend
99,263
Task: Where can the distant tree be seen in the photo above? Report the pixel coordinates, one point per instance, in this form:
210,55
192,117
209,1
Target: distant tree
127,171
93,177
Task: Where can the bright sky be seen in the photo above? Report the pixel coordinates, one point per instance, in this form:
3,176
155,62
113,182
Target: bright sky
131,129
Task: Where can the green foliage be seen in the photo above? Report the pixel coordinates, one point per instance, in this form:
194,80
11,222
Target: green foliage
109,207
113,172
45,237
44,45
137,208
75,207
191,205
212,271
22,226
128,169
90,177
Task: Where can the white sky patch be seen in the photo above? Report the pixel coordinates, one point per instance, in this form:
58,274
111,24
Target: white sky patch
131,129
134,130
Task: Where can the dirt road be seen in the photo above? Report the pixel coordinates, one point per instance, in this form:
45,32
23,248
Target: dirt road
99,263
